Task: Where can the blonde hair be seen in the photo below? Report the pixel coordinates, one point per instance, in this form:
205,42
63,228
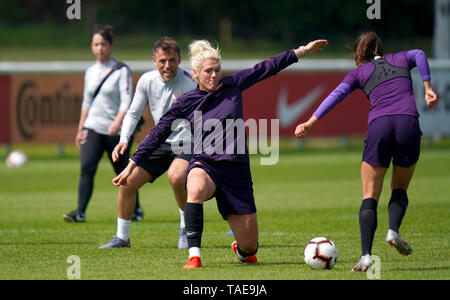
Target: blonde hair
199,51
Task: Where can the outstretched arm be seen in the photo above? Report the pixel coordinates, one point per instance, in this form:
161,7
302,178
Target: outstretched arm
333,99
162,130
302,129
152,141
248,77
310,48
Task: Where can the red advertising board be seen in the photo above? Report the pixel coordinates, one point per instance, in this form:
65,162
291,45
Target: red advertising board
293,97
45,108
5,120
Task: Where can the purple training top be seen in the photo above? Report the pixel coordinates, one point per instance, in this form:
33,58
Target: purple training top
393,97
224,104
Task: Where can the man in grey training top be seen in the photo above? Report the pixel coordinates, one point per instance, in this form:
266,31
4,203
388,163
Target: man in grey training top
159,89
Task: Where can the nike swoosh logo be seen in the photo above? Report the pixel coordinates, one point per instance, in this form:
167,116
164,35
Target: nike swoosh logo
289,113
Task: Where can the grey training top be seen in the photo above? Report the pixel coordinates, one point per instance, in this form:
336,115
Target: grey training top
115,95
159,94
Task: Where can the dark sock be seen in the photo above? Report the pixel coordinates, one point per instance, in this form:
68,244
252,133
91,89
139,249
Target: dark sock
367,224
193,218
397,208
245,254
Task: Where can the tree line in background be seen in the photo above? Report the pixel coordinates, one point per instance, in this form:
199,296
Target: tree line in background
281,21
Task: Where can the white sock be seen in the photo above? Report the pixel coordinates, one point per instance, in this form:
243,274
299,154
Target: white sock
123,229
392,232
194,251
182,225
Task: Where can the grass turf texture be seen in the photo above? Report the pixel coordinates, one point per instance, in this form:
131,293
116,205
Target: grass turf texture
307,194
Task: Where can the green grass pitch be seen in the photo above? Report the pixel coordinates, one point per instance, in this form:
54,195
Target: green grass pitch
307,194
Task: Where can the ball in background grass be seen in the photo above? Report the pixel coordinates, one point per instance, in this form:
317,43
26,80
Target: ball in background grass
16,159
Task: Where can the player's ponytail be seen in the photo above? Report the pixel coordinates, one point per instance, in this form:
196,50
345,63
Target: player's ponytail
367,46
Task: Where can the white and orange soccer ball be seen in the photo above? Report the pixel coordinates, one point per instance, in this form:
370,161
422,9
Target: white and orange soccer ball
320,253
16,159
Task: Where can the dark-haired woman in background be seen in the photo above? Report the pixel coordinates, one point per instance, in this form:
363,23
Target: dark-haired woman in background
393,132
107,97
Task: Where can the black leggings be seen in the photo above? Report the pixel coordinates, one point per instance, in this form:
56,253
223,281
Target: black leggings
91,152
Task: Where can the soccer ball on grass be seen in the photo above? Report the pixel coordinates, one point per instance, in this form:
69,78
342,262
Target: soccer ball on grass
16,159
320,253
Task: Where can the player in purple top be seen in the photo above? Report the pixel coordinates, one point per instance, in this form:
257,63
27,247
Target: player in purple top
222,173
393,132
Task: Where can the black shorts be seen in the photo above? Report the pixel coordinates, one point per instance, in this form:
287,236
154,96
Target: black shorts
234,186
160,160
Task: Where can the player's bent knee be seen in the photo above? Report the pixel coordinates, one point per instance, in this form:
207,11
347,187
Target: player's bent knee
177,178
195,197
127,189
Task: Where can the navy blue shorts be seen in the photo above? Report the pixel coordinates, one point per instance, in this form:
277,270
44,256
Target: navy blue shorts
395,137
160,160
234,186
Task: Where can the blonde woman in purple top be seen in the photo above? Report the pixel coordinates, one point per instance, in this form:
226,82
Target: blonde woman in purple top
393,132
218,172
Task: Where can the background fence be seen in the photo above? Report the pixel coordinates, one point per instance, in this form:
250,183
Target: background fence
41,101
